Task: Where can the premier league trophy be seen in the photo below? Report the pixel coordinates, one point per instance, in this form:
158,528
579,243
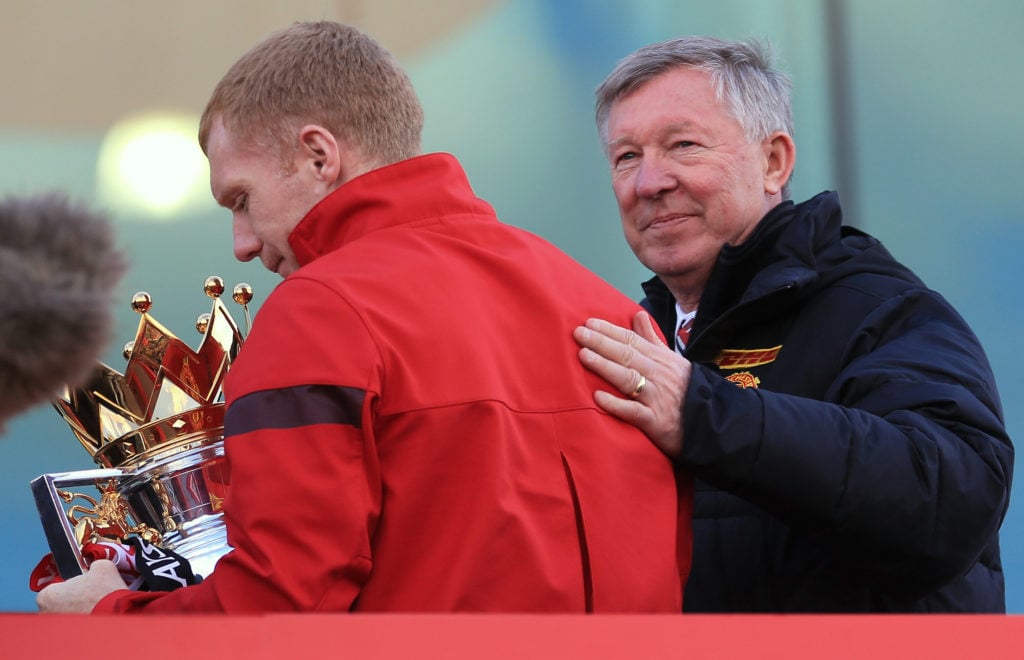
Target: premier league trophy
157,433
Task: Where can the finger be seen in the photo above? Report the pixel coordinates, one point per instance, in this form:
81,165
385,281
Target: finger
625,379
604,345
627,410
646,343
81,593
636,389
55,597
624,350
608,329
644,326
104,568
644,418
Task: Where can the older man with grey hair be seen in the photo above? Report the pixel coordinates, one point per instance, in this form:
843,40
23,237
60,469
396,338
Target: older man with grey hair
841,418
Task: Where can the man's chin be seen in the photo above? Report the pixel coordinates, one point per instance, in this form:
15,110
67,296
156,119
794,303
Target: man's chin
667,263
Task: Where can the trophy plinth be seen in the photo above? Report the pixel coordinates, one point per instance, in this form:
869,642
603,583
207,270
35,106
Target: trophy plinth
157,433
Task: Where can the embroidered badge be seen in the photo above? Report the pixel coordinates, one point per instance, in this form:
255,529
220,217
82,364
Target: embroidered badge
732,358
744,379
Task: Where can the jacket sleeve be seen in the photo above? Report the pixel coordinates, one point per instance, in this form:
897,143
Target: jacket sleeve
305,490
904,466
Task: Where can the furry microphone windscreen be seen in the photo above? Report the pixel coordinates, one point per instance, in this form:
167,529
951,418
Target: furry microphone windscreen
59,267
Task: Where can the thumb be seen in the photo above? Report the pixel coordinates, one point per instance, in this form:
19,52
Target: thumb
104,567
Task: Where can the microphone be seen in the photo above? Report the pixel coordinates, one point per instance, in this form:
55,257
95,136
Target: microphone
59,266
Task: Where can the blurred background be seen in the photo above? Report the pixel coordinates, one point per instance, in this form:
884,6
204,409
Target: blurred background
911,110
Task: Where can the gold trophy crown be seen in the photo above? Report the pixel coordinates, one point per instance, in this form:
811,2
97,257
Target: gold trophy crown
169,398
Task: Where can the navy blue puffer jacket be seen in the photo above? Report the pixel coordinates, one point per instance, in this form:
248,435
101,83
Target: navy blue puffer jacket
845,429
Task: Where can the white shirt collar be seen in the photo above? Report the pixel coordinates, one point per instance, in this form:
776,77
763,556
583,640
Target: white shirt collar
681,317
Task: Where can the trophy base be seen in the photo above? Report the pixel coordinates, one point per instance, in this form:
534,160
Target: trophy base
172,501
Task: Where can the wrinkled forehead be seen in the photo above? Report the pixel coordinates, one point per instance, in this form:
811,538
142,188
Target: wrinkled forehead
678,94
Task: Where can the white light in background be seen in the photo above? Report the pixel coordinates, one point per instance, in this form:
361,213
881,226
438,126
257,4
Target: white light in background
151,167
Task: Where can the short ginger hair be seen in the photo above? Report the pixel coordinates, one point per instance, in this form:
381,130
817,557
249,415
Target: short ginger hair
323,73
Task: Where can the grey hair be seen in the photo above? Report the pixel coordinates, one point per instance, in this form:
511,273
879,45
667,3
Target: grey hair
742,72
59,266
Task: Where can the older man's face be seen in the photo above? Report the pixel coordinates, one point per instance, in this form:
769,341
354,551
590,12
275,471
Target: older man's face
686,179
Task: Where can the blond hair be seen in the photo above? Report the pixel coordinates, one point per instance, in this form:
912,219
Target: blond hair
323,73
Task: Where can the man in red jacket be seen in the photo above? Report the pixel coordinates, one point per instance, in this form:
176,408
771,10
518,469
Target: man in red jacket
407,426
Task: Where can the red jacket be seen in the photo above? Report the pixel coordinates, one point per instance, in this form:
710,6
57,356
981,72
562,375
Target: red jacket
409,427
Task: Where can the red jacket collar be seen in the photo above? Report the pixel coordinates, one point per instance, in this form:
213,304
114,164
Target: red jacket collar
406,192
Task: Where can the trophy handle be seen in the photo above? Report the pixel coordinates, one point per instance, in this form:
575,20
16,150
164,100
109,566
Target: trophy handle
57,523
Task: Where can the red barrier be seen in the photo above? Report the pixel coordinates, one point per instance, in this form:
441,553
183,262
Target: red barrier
451,637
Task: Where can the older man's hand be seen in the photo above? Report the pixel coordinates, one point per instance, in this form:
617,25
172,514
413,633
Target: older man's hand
80,594
652,376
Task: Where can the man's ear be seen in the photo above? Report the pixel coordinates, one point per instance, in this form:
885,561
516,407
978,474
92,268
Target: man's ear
780,156
321,154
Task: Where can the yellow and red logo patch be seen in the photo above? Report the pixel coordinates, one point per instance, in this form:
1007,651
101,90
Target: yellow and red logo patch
732,358
744,379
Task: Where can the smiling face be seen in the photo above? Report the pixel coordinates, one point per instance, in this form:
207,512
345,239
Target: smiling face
267,197
686,179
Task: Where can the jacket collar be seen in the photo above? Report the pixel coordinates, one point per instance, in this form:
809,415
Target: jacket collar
406,192
782,253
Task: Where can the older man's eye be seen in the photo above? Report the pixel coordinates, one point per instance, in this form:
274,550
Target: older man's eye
624,158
